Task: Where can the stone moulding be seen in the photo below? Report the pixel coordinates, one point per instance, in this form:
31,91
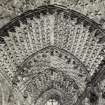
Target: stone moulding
51,9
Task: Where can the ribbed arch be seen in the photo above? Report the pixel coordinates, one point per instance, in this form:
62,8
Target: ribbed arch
51,25
51,58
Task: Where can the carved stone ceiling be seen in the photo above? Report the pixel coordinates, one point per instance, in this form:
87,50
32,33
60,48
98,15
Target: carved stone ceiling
95,9
52,47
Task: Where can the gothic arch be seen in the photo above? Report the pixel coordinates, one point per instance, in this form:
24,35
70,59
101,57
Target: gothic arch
65,28
55,59
57,31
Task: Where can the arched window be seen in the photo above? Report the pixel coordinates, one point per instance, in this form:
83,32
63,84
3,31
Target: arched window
52,102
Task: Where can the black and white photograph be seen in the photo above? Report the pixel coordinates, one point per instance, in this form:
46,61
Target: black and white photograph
52,52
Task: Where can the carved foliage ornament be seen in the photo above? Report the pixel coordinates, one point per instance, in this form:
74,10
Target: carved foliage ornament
51,57
51,9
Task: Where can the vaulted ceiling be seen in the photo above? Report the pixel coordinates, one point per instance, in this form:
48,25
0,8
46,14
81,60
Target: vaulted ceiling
53,51
94,9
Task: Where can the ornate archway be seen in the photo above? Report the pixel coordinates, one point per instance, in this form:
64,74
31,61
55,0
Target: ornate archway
51,68
51,40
